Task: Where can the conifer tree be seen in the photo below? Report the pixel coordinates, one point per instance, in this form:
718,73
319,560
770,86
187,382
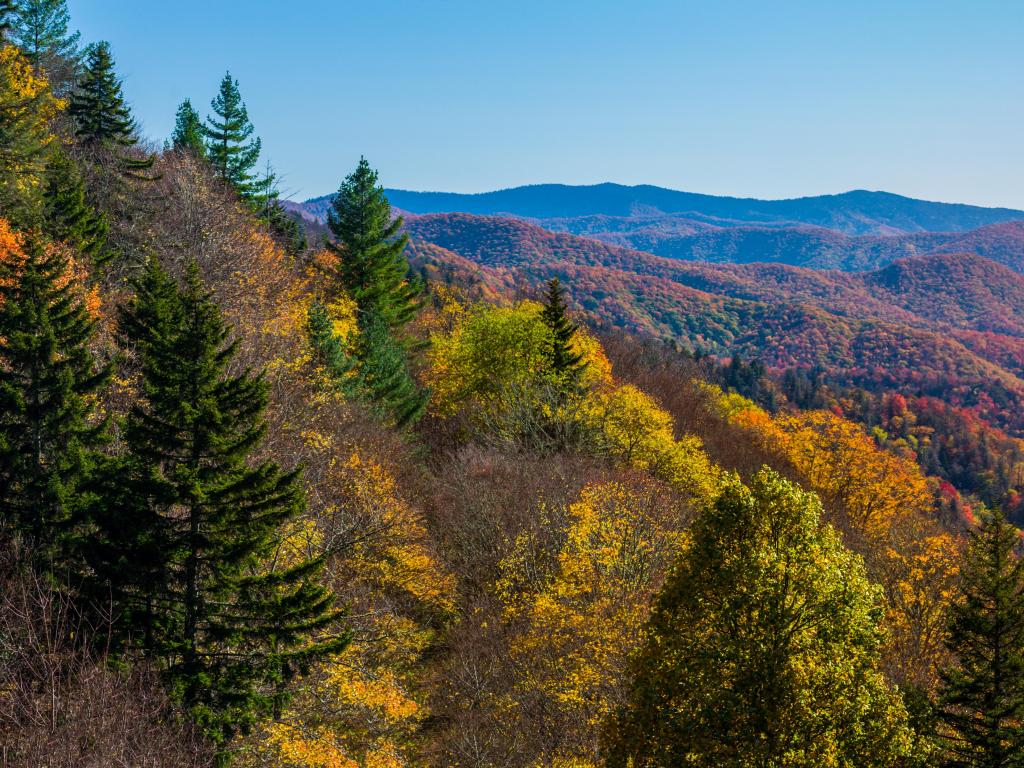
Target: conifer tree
102,118
8,17
370,250
228,134
41,28
49,433
565,363
982,698
188,130
68,216
185,547
763,648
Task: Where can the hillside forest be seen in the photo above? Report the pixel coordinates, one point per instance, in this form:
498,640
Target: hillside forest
365,491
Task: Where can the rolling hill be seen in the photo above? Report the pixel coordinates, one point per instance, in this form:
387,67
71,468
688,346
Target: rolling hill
949,325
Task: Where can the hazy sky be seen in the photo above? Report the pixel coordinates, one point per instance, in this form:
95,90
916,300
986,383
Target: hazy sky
764,98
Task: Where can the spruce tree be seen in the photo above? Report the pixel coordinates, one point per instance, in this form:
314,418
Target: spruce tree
41,28
370,249
102,118
188,130
565,363
982,698
763,648
185,547
8,17
68,216
49,380
228,144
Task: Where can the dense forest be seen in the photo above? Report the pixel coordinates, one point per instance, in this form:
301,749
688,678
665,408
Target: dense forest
278,496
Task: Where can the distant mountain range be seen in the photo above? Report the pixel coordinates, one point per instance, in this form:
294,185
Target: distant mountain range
852,213
878,290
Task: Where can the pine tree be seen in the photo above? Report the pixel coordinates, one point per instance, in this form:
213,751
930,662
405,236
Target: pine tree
185,548
102,118
982,699
188,130
41,28
49,378
8,17
68,216
565,363
763,648
370,250
228,136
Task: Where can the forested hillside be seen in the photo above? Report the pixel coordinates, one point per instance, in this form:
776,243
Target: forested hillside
270,498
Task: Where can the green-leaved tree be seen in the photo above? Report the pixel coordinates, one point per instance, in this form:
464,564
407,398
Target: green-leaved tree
982,698
763,648
229,143
188,130
102,118
50,433
42,29
188,533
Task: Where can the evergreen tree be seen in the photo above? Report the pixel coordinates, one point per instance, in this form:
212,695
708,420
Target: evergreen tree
228,136
68,216
188,130
8,17
763,647
266,201
185,547
565,363
370,250
102,118
982,699
41,28
49,378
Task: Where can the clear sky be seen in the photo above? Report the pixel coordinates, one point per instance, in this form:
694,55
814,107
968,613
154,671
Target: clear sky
761,98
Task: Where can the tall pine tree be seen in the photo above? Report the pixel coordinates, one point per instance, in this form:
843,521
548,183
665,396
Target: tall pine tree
49,380
370,249
371,268
102,118
229,143
185,546
982,698
565,363
188,130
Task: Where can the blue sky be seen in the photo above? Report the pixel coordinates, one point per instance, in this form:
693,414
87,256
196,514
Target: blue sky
753,98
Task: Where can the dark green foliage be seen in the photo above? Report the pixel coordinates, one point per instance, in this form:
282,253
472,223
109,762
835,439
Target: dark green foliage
49,433
185,538
982,699
376,374
565,363
68,216
8,17
763,648
370,247
41,29
102,118
188,130
228,136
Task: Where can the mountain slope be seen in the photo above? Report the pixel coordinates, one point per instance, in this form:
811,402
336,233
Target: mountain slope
923,325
